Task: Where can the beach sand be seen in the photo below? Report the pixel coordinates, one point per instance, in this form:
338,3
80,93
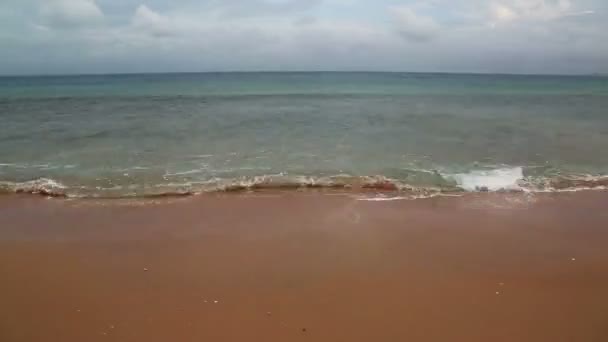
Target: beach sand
305,267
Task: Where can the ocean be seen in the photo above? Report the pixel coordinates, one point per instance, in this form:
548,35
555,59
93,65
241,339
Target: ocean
413,134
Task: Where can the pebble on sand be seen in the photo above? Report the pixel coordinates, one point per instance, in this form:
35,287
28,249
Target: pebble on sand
145,269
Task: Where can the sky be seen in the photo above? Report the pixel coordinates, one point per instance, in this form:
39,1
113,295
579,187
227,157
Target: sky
125,36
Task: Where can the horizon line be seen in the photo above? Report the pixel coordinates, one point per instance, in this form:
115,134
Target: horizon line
598,74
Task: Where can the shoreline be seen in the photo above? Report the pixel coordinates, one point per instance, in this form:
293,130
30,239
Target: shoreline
497,180
288,266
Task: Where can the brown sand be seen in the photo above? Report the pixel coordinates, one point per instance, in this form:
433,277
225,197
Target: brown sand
305,267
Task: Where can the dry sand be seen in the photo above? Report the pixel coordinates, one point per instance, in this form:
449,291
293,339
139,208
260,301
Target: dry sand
305,267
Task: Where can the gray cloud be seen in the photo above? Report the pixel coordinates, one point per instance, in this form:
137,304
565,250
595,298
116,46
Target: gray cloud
82,36
264,7
413,26
70,13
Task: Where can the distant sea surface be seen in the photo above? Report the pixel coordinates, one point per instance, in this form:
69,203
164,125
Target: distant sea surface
411,133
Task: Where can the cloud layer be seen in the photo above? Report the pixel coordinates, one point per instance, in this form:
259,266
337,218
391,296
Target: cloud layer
106,36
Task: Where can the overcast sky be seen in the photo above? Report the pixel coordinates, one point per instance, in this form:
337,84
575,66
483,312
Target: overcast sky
117,36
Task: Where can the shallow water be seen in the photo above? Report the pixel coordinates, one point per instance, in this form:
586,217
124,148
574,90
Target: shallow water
141,135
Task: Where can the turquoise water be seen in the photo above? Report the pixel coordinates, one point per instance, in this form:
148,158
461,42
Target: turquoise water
144,135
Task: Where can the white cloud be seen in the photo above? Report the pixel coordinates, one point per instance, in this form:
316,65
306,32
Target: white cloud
70,13
146,20
413,26
502,13
507,11
145,16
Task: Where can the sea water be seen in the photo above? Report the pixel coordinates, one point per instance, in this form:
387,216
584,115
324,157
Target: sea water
164,134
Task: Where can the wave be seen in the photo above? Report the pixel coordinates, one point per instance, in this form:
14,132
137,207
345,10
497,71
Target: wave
52,188
573,183
42,186
491,180
502,179
514,179
340,182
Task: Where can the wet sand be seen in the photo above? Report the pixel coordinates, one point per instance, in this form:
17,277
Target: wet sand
305,267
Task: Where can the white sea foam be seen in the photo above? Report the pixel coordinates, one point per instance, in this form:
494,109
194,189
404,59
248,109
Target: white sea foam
18,166
201,156
43,186
134,168
184,173
489,180
384,198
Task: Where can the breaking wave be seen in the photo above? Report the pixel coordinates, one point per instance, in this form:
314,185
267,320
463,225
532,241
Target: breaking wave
42,186
503,179
490,180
